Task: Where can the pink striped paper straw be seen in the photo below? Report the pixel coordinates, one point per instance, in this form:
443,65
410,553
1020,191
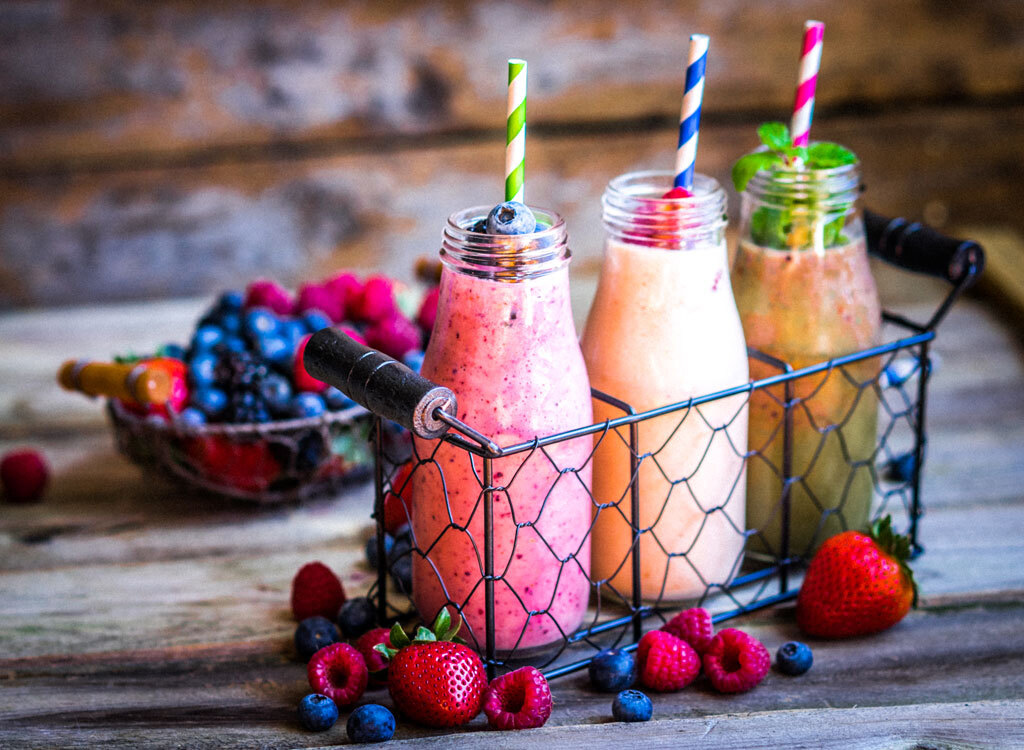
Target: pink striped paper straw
810,61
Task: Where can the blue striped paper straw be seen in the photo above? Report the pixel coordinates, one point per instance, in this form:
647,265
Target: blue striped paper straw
689,118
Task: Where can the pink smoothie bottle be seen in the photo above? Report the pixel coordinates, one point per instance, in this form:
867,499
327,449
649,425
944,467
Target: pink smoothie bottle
505,343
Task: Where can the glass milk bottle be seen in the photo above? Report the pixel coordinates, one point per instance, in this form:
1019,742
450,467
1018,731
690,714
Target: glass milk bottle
664,328
505,343
805,293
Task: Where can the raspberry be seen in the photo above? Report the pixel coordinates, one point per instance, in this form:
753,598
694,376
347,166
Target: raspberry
375,661
24,476
396,336
428,310
269,294
666,663
693,626
377,301
518,700
736,662
339,672
316,591
348,289
302,379
319,297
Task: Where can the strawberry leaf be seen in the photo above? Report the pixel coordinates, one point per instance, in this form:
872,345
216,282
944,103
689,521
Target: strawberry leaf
442,623
774,135
388,653
749,165
896,546
398,637
423,635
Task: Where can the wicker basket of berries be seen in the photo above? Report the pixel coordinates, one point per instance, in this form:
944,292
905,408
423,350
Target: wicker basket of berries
235,413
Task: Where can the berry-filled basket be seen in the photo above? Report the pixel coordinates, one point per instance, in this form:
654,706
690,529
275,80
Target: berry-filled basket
528,591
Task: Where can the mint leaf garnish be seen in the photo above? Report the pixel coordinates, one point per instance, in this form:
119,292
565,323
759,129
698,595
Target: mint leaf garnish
747,166
774,135
826,155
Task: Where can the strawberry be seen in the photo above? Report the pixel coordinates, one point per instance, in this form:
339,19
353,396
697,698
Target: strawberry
177,371
302,379
857,584
398,500
431,680
245,466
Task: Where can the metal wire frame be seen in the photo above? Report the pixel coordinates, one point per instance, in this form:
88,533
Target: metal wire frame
464,437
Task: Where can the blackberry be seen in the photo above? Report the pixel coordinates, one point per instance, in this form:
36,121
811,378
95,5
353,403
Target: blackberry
240,371
248,406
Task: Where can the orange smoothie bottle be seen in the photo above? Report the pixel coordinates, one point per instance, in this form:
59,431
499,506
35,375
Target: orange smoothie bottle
806,294
663,328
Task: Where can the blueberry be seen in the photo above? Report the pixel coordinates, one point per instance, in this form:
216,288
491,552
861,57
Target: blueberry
632,705
277,392
336,400
192,417
308,405
309,451
313,634
260,322
900,469
210,401
370,723
274,349
794,658
356,616
612,670
202,369
231,300
317,712
315,320
371,549
292,331
401,574
414,360
234,343
231,322
175,351
207,337
511,218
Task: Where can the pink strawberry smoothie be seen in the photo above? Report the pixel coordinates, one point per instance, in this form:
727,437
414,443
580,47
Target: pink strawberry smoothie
663,328
505,343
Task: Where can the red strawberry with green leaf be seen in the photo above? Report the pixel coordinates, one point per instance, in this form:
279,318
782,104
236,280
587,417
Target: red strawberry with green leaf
432,680
857,584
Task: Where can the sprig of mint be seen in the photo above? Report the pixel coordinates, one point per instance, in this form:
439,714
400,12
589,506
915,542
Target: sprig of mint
775,135
771,226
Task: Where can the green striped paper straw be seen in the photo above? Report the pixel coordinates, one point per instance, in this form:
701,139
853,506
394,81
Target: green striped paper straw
515,132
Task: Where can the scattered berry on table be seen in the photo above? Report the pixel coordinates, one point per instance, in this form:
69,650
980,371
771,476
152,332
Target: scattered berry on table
857,584
316,591
268,294
370,723
612,670
317,712
735,661
339,672
371,549
376,662
666,663
428,309
356,616
511,217
313,634
693,626
794,658
308,405
518,700
436,682
24,475
632,705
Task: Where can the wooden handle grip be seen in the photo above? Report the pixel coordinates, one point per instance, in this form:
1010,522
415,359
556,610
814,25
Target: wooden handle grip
131,382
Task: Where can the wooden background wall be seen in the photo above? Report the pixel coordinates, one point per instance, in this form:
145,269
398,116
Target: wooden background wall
172,147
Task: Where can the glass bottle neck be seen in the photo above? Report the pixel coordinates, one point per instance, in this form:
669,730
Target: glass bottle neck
634,211
500,257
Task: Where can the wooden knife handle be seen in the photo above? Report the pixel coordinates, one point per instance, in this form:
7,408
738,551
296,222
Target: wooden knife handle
131,382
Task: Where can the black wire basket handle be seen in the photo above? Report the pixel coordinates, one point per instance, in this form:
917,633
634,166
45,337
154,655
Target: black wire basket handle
383,385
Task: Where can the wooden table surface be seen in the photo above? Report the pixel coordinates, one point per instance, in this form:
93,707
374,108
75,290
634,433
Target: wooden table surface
137,615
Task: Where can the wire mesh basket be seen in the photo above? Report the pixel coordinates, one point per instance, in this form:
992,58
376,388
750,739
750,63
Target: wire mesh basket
272,462
557,620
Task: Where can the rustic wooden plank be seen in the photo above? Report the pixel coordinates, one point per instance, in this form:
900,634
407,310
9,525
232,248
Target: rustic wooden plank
243,694
84,82
157,232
